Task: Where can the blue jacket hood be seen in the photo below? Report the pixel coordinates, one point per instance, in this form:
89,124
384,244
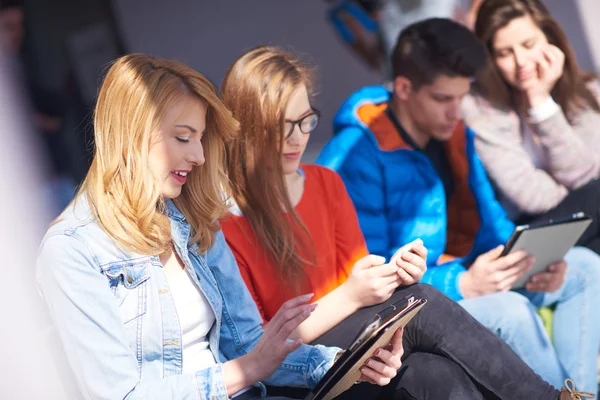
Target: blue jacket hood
347,113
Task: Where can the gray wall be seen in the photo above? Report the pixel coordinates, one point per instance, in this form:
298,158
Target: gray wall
589,10
569,14
210,35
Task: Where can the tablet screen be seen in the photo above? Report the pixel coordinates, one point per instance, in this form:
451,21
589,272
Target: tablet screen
548,243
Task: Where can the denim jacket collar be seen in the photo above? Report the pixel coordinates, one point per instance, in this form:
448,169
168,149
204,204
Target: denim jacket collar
123,303
180,229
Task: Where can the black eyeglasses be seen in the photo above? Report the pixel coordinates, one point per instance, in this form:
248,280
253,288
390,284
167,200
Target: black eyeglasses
307,124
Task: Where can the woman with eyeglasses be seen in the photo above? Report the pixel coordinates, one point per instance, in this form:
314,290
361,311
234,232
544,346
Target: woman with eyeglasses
145,296
293,228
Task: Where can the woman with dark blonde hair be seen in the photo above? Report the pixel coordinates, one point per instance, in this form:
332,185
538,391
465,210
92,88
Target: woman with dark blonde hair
293,228
537,117
145,295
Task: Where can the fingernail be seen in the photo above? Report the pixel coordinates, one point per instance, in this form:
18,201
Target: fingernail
378,352
309,295
313,307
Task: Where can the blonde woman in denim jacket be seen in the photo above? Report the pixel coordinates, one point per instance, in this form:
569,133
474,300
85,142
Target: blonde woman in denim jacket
147,301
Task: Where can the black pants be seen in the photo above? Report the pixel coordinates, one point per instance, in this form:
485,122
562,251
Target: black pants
447,355
586,199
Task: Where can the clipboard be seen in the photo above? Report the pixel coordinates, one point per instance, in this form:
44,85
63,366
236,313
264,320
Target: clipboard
548,242
375,334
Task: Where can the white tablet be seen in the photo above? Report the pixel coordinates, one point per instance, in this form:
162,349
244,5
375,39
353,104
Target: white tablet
548,242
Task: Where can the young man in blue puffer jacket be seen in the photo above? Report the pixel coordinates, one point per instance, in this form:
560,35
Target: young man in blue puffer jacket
410,167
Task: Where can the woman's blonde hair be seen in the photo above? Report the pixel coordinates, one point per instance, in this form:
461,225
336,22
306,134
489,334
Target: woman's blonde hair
257,89
124,195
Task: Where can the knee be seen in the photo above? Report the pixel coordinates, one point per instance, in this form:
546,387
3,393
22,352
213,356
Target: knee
515,305
583,265
428,292
513,313
435,298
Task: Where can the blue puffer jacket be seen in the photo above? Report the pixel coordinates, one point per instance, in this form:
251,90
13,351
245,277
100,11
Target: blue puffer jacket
399,196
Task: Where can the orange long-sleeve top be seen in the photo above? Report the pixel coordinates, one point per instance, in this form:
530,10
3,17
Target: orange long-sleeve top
329,215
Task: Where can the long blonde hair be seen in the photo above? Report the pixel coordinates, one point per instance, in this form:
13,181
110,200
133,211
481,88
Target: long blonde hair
123,194
257,89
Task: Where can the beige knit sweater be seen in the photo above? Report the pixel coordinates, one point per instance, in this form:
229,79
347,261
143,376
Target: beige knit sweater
572,152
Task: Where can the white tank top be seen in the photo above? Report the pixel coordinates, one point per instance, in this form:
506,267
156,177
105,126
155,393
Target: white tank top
196,318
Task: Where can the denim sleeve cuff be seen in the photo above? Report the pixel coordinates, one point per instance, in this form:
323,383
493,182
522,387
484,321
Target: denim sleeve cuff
321,358
211,383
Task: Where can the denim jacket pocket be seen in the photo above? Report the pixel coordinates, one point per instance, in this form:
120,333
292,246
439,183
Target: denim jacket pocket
129,284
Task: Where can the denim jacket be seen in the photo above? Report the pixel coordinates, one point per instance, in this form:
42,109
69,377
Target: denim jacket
117,321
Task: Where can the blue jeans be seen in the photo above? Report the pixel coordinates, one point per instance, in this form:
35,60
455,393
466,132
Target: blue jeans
513,316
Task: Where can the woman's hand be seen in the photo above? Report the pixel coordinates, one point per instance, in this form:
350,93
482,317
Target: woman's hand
371,281
550,65
383,366
274,345
411,261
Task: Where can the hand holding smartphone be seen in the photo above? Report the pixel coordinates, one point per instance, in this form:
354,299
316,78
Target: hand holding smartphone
401,250
411,267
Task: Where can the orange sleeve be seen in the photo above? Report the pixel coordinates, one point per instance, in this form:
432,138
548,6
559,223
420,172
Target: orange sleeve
349,240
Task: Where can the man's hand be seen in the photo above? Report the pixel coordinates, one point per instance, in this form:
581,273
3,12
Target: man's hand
549,281
491,273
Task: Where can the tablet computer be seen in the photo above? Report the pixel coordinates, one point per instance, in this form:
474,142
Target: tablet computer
548,242
376,333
